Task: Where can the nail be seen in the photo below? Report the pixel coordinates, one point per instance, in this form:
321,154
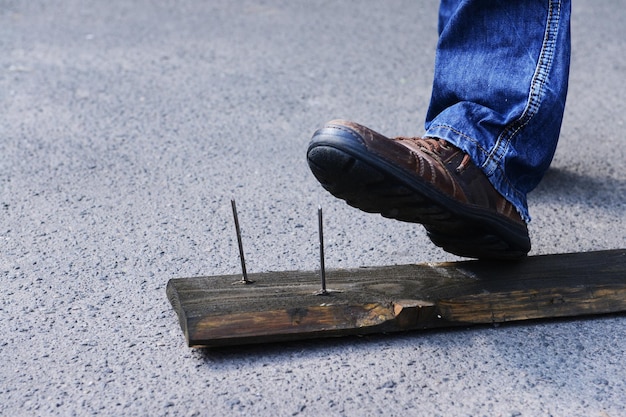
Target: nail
244,279
320,222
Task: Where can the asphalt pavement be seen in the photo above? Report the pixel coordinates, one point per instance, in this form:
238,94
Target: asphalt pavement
127,127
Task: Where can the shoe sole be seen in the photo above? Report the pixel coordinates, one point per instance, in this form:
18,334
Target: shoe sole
347,170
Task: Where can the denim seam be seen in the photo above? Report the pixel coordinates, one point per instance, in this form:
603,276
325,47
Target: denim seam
537,87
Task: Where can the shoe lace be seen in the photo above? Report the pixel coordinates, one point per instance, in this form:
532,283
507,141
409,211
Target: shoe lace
434,146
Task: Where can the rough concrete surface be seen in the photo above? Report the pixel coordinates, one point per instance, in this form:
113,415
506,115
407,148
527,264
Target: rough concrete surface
127,126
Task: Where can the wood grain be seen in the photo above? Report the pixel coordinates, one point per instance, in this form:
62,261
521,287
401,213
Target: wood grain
281,306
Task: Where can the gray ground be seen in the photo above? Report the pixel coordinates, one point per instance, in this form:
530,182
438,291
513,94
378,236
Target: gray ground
125,129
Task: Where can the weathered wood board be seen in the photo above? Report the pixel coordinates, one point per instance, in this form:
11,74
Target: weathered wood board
281,306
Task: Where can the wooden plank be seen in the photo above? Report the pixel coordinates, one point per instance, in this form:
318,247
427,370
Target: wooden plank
281,306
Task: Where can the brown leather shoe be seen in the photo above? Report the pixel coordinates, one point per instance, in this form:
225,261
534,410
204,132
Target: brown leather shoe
419,180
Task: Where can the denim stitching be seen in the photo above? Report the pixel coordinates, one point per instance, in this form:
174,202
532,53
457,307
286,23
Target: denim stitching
537,87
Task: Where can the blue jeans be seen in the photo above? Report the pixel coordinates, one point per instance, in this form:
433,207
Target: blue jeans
501,74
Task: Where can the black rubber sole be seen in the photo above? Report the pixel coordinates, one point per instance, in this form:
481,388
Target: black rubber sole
349,172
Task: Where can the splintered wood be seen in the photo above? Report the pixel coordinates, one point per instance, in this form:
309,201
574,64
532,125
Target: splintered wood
281,306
